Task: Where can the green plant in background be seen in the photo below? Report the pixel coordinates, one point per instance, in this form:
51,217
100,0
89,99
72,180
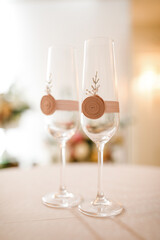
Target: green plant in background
11,108
8,161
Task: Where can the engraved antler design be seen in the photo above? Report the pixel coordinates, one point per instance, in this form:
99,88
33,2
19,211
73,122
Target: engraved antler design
49,84
94,86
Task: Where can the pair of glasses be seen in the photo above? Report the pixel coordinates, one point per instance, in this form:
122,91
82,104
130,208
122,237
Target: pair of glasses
98,105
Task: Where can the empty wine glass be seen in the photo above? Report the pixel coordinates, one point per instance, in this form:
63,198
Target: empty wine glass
99,113
60,108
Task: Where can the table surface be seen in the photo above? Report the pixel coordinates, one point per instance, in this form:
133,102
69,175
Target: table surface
23,216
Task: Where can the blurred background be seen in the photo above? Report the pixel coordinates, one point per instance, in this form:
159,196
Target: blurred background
29,27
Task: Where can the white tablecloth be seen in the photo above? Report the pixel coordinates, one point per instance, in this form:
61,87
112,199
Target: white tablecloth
23,216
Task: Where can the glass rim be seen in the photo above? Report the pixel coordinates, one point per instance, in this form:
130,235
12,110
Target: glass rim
62,46
100,38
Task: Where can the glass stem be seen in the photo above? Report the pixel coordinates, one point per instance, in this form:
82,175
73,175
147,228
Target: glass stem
62,166
100,148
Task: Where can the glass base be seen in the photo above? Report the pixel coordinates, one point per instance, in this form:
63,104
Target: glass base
100,207
61,199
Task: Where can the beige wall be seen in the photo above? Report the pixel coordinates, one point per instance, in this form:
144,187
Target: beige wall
146,82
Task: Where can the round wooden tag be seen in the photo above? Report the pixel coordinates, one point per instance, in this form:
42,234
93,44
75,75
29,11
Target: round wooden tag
93,107
48,104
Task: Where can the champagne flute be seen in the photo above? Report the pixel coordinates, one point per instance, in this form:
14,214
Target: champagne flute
60,108
99,113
